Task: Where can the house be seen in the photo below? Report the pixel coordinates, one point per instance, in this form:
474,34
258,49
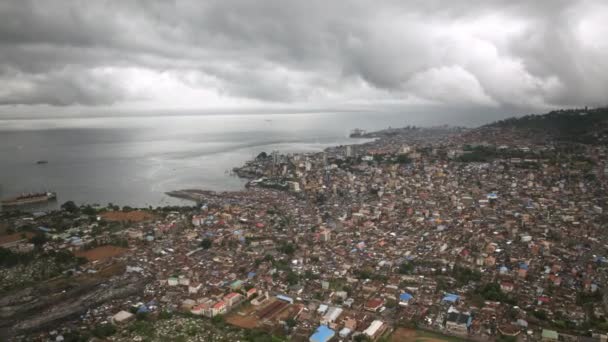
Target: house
374,304
405,298
197,220
232,298
236,285
549,335
458,321
218,308
506,286
199,309
322,334
450,298
173,281
193,288
251,292
122,317
344,332
183,281
350,323
523,270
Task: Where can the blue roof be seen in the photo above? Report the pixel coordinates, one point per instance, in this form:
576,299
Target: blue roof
450,297
523,265
405,296
143,309
322,334
285,298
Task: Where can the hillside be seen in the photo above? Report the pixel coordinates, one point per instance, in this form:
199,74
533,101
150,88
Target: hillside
587,126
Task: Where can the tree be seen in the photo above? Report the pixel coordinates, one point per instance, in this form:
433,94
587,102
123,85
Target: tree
291,322
361,338
103,330
262,155
69,206
206,243
39,240
218,320
292,278
88,210
406,268
288,249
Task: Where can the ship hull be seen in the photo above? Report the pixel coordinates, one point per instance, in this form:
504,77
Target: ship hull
29,200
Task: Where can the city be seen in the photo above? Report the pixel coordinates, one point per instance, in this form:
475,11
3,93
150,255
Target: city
431,234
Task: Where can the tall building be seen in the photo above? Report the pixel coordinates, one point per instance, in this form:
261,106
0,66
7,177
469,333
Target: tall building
349,151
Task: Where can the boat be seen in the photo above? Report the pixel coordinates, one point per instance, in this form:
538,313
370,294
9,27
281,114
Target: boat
357,133
30,198
40,162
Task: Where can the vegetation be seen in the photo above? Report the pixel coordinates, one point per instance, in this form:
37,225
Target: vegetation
70,207
573,125
103,330
406,268
492,291
9,258
287,248
206,243
465,275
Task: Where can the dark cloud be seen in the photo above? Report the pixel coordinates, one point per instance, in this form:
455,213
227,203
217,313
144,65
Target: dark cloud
493,54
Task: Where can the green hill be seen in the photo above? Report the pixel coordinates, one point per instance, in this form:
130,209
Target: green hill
587,126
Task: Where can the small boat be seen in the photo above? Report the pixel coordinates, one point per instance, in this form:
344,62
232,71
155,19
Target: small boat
31,198
40,162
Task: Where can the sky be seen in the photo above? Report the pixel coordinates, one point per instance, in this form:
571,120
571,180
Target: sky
506,56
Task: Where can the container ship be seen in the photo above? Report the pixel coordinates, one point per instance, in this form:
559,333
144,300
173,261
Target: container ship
29,199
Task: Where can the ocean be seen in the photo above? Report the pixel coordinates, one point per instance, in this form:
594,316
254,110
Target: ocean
134,160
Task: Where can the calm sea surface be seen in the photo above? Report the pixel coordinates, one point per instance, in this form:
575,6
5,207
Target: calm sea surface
134,160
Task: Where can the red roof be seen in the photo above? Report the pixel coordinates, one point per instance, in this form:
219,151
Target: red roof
544,299
219,305
231,295
374,303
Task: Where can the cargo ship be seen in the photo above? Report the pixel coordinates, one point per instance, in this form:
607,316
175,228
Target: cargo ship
31,198
357,133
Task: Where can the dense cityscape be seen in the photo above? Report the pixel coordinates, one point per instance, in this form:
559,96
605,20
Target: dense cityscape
410,234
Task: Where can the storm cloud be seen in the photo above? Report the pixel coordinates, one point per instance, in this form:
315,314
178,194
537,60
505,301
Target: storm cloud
208,54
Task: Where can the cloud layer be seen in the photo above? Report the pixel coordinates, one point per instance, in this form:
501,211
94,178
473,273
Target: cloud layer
210,54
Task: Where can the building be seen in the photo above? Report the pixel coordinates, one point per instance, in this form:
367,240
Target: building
344,332
232,298
374,304
322,334
374,329
457,321
450,298
199,309
349,151
549,335
405,298
285,298
236,285
331,315
251,292
173,281
218,308
324,235
122,317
